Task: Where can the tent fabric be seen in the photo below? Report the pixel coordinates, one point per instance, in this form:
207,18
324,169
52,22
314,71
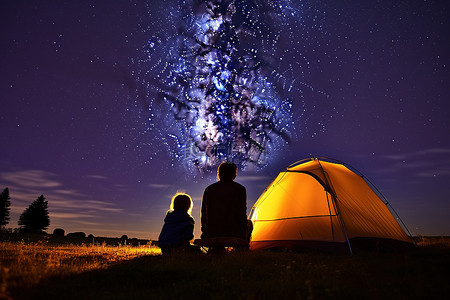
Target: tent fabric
320,202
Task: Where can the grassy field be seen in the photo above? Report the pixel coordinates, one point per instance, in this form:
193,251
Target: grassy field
46,271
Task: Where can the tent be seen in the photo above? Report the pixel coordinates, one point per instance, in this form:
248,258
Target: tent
321,203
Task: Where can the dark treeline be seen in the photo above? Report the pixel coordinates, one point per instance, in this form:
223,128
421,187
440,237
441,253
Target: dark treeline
35,218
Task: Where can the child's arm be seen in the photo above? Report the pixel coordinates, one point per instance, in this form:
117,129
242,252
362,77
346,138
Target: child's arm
189,231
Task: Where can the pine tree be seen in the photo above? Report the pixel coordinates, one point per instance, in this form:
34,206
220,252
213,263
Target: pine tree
35,217
4,207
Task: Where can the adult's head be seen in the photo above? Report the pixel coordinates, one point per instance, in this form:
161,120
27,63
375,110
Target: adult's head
181,201
227,171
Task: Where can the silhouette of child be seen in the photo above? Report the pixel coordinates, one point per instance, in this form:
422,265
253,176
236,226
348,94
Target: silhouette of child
178,228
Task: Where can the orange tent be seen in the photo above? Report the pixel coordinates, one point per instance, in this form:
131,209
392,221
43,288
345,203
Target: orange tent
321,203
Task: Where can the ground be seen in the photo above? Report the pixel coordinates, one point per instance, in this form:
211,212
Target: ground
127,272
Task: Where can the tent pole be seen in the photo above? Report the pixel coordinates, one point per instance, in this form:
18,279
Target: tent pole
342,222
334,198
331,217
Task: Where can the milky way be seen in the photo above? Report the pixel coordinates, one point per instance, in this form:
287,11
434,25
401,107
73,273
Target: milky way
216,88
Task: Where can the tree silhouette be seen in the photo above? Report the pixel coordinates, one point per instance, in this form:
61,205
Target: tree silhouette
35,217
4,207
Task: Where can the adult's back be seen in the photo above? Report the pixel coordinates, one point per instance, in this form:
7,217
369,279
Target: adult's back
224,210
224,206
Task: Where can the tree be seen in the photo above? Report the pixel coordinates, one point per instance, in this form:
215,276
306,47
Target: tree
59,232
4,207
35,217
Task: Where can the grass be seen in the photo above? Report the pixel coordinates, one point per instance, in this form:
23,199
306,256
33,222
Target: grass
23,266
42,271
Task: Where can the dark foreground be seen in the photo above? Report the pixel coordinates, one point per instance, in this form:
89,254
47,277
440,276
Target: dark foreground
423,273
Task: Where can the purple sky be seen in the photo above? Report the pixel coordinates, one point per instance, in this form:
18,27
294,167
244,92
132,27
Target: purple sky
372,90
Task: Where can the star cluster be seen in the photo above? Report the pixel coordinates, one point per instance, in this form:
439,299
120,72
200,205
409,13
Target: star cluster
216,85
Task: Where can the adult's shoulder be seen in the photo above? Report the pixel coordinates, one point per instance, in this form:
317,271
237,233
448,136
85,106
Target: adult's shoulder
213,186
237,184
224,185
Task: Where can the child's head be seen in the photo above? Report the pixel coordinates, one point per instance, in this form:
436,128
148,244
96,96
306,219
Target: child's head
181,201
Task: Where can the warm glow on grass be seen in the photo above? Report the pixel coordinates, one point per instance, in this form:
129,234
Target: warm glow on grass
29,263
52,271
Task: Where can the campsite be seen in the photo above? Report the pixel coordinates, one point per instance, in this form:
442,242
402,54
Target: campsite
222,149
320,231
50,271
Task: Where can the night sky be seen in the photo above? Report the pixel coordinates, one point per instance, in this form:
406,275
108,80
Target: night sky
91,93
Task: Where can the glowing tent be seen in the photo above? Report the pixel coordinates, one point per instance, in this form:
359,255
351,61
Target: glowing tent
322,204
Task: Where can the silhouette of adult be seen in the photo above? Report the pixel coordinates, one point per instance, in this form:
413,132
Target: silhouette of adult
224,206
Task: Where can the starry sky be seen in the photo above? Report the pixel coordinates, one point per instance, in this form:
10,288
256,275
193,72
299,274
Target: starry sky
90,97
